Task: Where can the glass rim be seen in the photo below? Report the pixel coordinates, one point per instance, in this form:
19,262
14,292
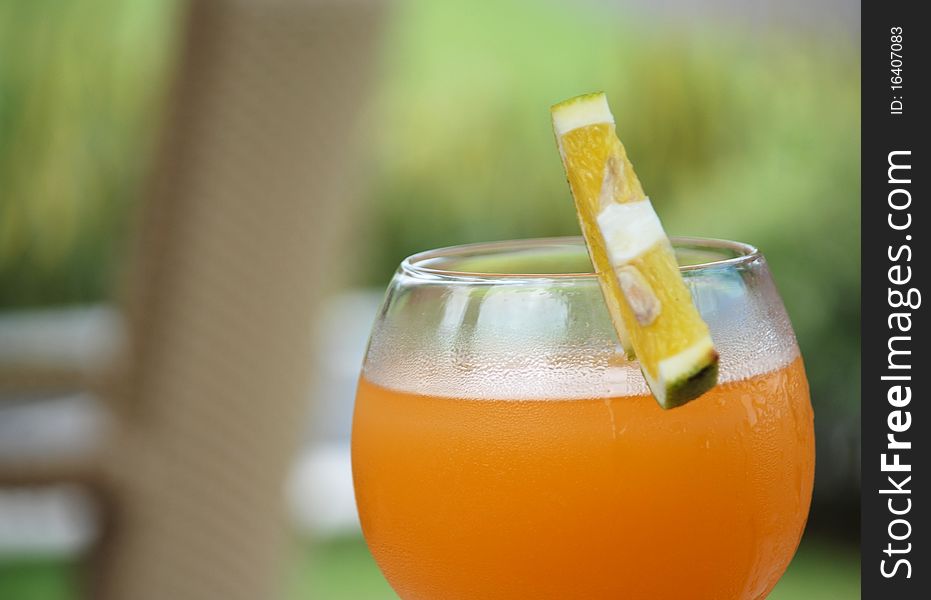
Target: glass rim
417,265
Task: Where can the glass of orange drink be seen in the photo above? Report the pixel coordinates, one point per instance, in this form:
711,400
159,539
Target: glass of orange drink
504,447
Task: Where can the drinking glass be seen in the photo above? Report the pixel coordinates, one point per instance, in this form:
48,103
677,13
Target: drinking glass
504,448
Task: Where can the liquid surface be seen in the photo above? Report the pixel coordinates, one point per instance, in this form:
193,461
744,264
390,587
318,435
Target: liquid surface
466,499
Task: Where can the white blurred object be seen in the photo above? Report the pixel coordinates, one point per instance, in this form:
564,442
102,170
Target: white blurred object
342,332
49,428
50,520
58,520
320,494
84,339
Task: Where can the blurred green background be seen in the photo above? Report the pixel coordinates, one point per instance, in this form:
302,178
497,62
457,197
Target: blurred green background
741,132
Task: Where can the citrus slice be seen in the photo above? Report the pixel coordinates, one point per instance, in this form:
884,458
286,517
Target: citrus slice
649,303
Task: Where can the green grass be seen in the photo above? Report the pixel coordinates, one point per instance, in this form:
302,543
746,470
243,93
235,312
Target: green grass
38,579
339,569
821,571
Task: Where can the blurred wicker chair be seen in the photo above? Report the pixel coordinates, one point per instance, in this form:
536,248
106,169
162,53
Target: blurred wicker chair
238,229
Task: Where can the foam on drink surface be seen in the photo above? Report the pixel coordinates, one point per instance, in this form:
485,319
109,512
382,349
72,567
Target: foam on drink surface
531,376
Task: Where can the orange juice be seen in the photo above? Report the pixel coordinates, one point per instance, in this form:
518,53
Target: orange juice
549,498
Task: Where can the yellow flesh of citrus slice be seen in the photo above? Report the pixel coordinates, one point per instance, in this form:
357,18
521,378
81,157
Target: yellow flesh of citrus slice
649,303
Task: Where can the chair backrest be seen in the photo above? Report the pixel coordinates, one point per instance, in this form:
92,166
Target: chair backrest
239,230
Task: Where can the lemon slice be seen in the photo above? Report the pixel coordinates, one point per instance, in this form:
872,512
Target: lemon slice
650,306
